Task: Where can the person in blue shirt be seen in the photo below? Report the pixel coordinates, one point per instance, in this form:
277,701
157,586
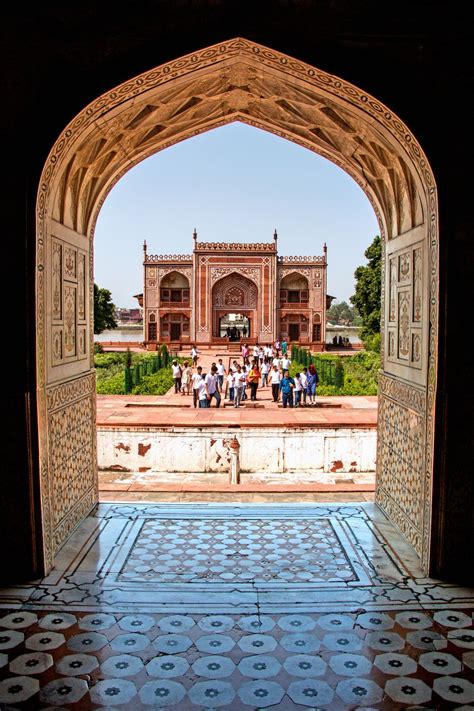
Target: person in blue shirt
287,385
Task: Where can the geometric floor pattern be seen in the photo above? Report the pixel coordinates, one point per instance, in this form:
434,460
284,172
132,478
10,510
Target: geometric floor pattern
140,612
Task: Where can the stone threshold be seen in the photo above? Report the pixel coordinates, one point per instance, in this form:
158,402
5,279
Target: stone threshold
237,488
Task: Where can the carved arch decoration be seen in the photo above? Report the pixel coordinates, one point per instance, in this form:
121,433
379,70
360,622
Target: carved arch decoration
300,273
234,291
236,80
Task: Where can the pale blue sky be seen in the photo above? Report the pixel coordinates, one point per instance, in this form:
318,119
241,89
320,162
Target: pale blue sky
233,184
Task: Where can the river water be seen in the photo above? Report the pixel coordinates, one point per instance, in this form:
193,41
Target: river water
120,334
126,334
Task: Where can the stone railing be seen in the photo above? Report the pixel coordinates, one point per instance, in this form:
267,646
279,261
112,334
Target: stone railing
236,246
151,258
304,260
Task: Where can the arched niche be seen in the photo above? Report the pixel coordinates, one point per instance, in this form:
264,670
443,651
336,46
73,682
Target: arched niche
236,80
174,280
294,282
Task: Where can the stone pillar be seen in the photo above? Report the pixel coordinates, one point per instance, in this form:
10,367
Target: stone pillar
234,461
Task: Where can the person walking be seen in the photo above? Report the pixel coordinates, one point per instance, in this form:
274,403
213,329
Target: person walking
245,354
176,368
194,355
202,392
239,385
265,370
212,386
230,386
285,363
275,378
287,386
284,347
304,383
312,381
196,379
186,379
221,371
253,379
298,389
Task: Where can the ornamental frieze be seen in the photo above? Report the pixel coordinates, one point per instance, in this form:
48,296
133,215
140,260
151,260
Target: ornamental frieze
403,393
282,272
66,393
252,273
162,272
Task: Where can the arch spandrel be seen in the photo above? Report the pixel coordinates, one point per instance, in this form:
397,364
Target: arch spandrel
239,80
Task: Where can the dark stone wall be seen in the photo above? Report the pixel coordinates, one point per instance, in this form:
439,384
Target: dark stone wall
413,56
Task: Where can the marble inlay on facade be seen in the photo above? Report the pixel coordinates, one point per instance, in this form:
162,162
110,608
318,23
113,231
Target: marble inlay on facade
252,273
401,479
72,465
235,290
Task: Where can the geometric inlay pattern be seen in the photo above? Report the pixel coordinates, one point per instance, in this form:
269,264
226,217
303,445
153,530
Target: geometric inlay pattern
223,550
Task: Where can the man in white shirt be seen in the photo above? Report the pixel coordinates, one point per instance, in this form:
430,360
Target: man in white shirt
275,377
304,382
202,393
176,368
196,379
285,363
298,389
221,371
265,369
212,386
239,385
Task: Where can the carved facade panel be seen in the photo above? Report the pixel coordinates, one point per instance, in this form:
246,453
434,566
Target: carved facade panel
403,325
57,345
252,273
81,287
70,321
401,457
392,311
405,307
417,284
72,466
404,267
56,279
70,263
235,291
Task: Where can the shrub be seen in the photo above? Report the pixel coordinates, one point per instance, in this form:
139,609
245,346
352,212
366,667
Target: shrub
372,342
112,386
98,348
157,384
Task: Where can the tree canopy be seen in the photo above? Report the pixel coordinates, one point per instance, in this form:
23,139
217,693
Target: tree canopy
104,310
367,292
342,314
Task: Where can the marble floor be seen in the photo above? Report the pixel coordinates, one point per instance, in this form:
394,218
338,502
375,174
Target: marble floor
240,606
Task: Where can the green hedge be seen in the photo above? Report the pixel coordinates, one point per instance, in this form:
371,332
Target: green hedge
351,375
149,373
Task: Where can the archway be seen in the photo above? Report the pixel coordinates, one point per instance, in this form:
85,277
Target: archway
236,80
237,295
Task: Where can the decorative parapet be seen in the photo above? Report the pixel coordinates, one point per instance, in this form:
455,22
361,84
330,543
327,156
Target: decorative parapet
301,260
235,247
154,258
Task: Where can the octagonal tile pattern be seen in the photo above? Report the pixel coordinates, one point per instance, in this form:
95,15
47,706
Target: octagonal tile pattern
238,668
75,644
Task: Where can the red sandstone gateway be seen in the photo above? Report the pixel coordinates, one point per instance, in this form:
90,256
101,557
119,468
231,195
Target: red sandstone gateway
232,292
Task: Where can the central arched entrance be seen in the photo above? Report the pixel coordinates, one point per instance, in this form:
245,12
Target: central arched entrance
234,307
237,80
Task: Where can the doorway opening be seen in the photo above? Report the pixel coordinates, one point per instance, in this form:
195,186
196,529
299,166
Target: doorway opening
234,327
237,80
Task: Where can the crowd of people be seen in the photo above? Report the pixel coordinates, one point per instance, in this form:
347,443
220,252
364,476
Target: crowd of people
262,366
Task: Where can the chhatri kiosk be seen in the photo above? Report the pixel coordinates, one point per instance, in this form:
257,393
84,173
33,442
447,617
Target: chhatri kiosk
226,292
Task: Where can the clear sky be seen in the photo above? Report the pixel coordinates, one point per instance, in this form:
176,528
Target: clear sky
233,184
